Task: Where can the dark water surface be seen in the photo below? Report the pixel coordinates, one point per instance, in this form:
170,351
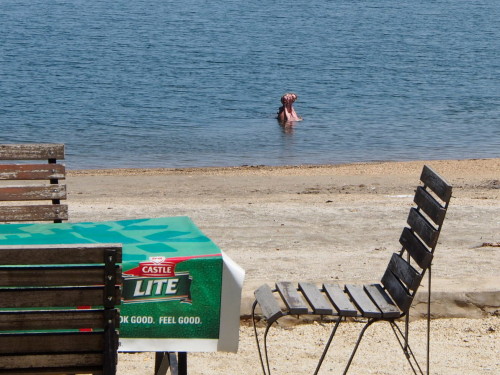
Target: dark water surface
163,83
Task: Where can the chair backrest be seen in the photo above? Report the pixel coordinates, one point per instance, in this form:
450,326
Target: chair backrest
38,191
406,268
43,327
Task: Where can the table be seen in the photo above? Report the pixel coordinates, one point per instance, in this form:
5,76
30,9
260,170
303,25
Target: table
181,293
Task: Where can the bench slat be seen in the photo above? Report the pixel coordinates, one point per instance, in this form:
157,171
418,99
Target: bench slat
57,254
294,302
430,206
34,151
32,172
25,192
82,363
53,276
405,272
52,342
436,183
362,301
34,213
53,319
31,341
383,301
397,291
315,299
423,228
416,248
340,300
54,297
32,193
270,307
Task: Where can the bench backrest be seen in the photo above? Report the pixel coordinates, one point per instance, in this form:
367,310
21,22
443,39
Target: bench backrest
37,192
43,327
407,268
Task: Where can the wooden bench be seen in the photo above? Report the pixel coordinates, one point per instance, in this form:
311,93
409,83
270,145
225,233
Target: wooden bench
38,191
385,301
43,329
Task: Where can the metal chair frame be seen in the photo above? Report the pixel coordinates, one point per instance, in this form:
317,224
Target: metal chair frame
393,305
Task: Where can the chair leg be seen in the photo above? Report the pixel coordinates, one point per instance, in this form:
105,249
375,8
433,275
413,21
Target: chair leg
182,362
258,343
320,362
405,346
429,321
330,339
261,357
265,349
369,323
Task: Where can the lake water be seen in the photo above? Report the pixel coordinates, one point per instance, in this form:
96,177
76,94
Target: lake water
161,83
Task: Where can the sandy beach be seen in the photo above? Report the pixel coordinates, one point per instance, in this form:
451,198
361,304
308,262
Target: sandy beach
317,223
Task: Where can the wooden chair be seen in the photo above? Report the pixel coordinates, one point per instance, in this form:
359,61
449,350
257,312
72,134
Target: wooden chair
34,201
389,300
41,329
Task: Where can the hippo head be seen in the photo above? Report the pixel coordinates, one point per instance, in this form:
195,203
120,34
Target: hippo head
286,112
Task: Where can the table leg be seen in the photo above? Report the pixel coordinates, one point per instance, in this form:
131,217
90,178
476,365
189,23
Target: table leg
166,360
182,360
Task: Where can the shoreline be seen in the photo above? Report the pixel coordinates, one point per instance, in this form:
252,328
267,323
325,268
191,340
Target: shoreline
367,166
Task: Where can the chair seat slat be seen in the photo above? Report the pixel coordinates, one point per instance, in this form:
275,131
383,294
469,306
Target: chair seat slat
55,297
340,300
32,193
82,363
52,342
33,151
54,276
315,299
32,172
53,319
362,301
34,213
270,307
383,301
57,254
293,300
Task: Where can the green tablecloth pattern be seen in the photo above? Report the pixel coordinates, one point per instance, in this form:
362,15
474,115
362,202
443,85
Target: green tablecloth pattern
172,276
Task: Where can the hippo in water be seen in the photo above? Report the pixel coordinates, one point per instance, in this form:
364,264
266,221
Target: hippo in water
286,113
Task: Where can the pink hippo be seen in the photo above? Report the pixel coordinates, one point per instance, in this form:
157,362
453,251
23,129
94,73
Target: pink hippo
286,113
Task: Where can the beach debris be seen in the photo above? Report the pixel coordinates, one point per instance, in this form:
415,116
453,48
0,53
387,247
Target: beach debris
491,184
489,244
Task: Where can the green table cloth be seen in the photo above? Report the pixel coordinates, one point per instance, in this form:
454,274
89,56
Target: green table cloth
180,291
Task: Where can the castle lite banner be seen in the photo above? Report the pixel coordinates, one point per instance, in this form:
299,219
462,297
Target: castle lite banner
180,291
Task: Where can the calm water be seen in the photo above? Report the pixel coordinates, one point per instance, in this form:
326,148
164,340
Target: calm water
197,83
